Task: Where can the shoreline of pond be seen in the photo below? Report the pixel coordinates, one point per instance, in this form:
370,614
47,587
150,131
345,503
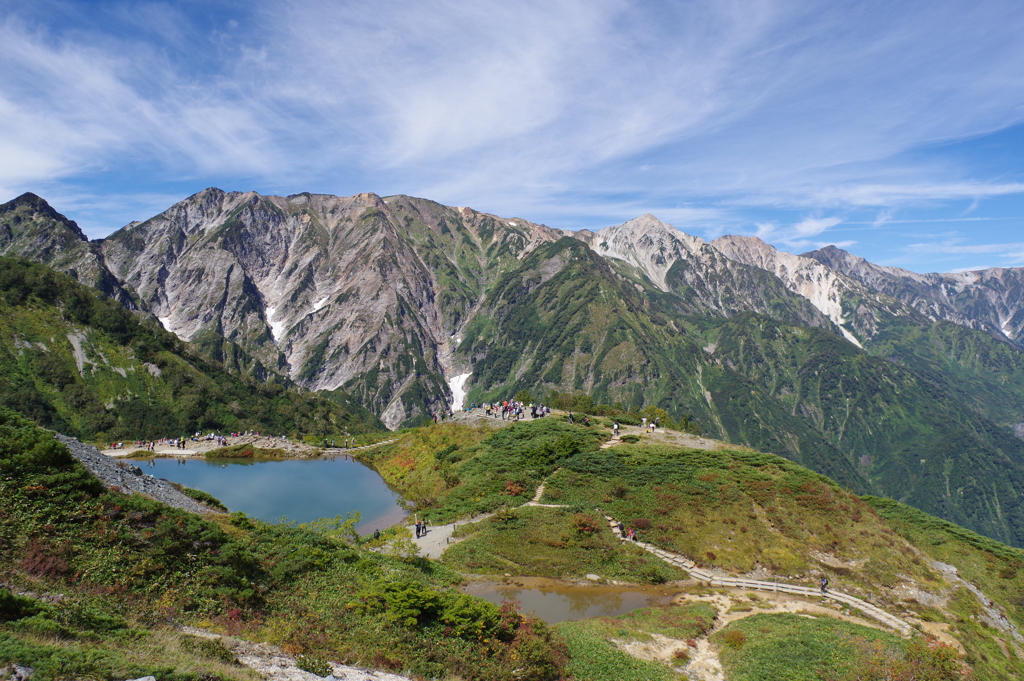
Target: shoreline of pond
289,489
560,599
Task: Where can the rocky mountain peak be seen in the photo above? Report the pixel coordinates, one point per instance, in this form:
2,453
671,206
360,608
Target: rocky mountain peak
749,249
645,242
30,206
821,285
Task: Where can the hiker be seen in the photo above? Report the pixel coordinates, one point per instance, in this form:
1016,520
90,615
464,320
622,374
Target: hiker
419,529
824,585
632,534
615,429
622,529
376,534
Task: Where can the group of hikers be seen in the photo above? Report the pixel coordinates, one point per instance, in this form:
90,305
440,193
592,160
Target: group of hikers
346,443
182,442
512,410
421,528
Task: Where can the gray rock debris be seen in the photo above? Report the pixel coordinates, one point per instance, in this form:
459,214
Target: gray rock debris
16,672
129,478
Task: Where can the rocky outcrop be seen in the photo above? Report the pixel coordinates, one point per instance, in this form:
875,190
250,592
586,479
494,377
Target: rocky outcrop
126,477
990,300
706,279
31,228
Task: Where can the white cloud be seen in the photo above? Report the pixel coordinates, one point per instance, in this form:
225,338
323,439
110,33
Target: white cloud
814,226
598,106
885,195
957,245
796,236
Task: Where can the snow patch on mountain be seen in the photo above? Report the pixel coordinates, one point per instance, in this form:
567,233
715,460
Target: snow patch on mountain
819,284
457,384
276,327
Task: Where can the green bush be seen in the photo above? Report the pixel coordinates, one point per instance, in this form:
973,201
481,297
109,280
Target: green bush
313,665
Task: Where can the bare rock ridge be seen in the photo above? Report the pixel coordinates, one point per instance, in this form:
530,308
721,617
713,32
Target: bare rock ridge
990,300
374,295
129,478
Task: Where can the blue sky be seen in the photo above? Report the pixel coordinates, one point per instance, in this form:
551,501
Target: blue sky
895,130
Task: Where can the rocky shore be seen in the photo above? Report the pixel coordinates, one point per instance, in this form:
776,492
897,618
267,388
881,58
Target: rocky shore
126,477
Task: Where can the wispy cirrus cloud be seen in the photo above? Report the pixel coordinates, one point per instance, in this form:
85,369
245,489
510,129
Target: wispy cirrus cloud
799,236
714,115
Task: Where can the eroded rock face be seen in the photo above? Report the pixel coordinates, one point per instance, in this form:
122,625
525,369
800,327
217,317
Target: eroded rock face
31,228
361,292
706,277
990,300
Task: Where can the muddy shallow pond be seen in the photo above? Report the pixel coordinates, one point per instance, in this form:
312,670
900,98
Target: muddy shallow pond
554,601
297,489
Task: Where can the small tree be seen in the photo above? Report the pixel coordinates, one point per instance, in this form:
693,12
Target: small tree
524,396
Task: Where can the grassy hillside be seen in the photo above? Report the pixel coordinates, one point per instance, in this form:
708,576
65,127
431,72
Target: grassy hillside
125,564
908,435
737,510
81,364
566,319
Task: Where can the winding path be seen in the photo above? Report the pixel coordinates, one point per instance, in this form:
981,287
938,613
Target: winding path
695,572
438,538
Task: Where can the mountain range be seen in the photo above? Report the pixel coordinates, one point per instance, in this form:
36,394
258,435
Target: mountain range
888,381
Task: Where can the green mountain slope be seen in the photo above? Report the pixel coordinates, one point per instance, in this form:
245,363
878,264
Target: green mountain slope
737,510
911,438
981,371
31,228
565,320
82,364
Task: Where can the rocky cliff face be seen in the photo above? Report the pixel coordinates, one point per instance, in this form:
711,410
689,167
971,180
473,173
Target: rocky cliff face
31,228
703,277
855,308
990,300
362,293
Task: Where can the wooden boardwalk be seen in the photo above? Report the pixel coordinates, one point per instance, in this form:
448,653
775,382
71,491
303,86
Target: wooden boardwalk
697,573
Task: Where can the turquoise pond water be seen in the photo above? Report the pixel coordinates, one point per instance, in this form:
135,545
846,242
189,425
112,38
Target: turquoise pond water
297,489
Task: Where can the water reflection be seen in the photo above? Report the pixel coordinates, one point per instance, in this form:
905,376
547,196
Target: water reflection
555,602
298,489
